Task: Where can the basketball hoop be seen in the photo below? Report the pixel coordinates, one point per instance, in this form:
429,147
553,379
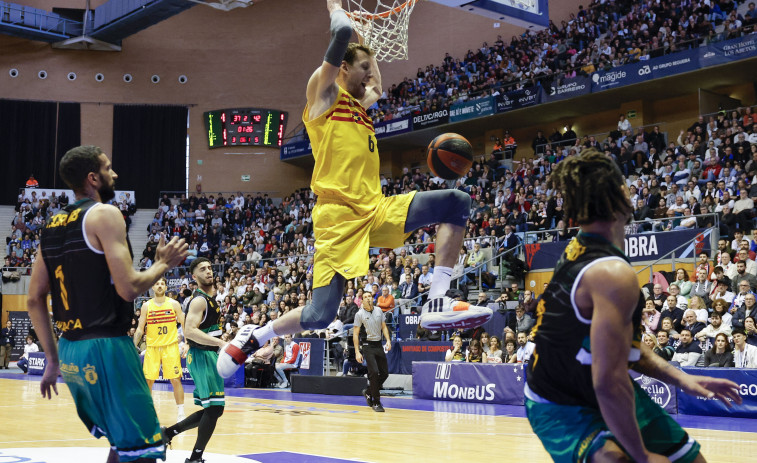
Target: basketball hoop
384,29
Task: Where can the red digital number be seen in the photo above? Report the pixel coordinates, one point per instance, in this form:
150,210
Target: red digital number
246,118
257,139
233,139
223,117
281,117
256,118
236,118
242,139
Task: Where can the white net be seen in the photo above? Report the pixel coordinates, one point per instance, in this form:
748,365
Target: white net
382,24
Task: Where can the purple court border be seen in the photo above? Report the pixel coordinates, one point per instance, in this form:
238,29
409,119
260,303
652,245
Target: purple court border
687,421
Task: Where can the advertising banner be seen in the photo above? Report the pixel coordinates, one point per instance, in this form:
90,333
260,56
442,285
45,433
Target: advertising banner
393,127
430,119
400,359
745,378
568,88
312,351
663,394
727,51
519,99
295,150
621,76
37,363
407,326
639,248
677,63
469,382
471,109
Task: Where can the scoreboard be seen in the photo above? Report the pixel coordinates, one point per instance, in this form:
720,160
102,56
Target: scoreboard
245,127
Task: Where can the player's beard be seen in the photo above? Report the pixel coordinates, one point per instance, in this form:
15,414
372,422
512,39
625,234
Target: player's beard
107,192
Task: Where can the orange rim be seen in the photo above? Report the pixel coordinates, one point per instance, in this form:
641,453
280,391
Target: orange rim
384,15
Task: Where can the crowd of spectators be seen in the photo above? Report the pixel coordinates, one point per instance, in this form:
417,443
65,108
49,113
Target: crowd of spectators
33,211
601,37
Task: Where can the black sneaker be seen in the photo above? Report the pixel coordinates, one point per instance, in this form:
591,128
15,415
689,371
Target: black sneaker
164,434
378,408
201,460
368,399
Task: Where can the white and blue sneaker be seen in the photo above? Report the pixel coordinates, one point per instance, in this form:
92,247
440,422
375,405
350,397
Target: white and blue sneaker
445,313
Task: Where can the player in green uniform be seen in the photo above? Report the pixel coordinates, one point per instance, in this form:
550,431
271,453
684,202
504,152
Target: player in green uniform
84,260
580,400
203,332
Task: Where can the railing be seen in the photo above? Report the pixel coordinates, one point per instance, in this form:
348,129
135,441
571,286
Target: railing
601,137
41,20
633,227
714,236
176,195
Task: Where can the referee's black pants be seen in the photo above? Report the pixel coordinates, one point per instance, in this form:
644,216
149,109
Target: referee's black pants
378,370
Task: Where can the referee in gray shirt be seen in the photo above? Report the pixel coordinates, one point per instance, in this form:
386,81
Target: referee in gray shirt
372,350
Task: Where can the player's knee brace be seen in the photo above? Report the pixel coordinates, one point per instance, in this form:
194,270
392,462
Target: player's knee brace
457,208
318,316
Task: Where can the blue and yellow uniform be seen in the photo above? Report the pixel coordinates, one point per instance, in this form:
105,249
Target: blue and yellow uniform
97,360
561,403
162,340
351,214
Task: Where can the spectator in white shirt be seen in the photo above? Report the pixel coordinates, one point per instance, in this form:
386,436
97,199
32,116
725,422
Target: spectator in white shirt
744,355
525,347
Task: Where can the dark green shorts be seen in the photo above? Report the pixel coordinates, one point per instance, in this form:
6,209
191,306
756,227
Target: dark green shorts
208,383
109,389
572,433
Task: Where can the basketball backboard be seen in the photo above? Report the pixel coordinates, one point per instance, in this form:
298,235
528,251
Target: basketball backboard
529,14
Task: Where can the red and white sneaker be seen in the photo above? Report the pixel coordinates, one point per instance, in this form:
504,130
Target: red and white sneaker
444,313
236,352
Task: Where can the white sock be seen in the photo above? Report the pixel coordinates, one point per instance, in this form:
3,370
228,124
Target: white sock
264,333
181,408
440,282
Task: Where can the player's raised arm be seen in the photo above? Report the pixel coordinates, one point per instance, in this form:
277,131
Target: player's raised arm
322,88
373,89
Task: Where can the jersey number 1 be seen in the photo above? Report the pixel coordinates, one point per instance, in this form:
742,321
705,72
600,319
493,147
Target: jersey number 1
61,283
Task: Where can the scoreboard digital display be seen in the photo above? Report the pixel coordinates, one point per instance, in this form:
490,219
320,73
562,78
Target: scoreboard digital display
245,127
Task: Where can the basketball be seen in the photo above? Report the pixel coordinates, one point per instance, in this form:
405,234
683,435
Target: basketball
450,156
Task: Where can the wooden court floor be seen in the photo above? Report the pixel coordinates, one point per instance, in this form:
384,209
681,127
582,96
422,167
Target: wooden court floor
339,428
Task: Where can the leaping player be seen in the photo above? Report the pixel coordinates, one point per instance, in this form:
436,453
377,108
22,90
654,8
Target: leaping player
352,214
159,319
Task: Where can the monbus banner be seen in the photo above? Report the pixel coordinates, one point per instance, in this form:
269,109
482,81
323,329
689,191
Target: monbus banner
639,247
469,382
